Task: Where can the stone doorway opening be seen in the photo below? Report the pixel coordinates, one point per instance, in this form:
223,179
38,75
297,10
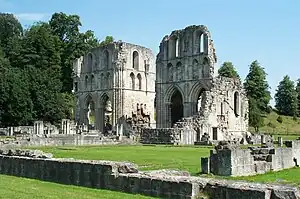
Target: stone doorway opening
90,117
106,115
176,107
200,101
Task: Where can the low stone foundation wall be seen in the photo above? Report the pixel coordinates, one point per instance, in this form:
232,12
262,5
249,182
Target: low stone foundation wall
58,140
175,136
120,176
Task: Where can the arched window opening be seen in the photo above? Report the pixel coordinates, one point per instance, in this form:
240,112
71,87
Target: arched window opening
178,71
108,82
201,42
132,81
176,107
90,112
92,81
86,81
90,62
195,69
170,72
101,80
176,47
75,86
140,81
236,104
135,60
200,104
106,58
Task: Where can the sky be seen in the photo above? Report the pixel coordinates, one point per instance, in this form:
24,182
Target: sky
242,30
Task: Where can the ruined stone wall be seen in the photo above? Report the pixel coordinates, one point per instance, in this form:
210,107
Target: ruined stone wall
58,140
120,72
186,68
175,136
124,177
252,161
182,67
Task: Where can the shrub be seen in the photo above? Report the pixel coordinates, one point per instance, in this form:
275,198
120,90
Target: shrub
279,119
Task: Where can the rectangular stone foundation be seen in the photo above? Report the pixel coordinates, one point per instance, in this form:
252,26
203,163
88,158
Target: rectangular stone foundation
105,175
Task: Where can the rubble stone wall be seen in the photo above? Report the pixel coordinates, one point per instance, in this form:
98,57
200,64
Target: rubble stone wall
168,136
58,140
120,176
255,160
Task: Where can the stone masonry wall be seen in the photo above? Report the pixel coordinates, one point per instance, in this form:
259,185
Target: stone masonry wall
177,136
120,176
255,160
59,140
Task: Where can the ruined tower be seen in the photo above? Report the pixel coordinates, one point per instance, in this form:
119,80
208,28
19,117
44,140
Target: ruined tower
111,82
189,89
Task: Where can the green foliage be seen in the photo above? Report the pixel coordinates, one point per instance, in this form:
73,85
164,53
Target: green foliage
36,68
74,43
227,70
286,97
298,96
10,30
255,115
108,40
257,87
279,119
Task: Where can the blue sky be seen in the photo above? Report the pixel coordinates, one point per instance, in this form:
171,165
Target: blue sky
242,30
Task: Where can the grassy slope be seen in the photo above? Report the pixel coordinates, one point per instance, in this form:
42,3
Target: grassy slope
288,127
15,187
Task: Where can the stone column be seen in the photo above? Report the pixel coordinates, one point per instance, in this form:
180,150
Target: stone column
121,132
101,118
280,141
263,139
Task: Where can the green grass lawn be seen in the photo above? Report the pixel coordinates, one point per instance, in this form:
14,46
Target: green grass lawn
22,188
146,157
290,176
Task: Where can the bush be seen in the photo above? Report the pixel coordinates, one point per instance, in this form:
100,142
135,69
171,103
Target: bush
270,124
279,119
295,118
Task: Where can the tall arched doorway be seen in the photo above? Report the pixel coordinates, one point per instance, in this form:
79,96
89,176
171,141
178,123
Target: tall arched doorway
90,110
106,115
176,107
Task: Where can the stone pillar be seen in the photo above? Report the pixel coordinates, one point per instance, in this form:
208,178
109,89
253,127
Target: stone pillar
186,109
10,131
263,139
38,127
101,118
280,141
65,126
121,132
117,130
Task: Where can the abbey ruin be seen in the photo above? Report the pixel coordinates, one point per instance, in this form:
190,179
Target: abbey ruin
115,86
177,97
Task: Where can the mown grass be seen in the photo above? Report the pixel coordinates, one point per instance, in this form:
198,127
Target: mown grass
22,188
146,157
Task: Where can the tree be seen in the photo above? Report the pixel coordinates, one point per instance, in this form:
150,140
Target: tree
298,96
286,97
10,29
108,40
257,87
227,70
255,115
74,43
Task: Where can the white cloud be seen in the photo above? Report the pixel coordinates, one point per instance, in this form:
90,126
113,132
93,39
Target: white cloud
31,16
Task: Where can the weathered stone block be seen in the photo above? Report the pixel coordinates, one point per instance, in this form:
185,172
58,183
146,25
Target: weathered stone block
76,174
135,184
